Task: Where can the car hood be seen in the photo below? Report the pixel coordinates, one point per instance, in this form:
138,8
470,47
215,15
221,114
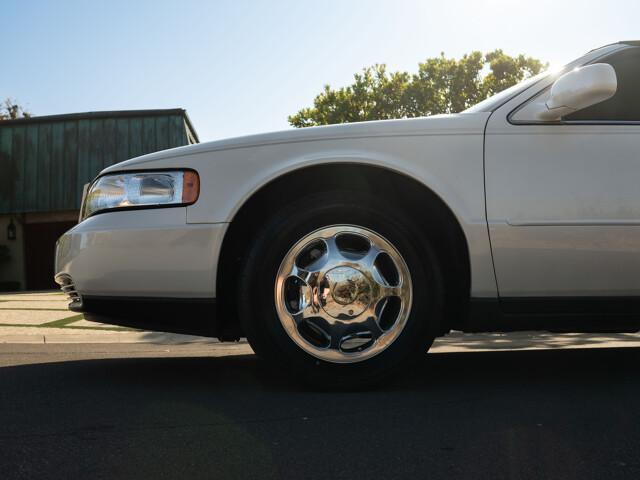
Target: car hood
455,124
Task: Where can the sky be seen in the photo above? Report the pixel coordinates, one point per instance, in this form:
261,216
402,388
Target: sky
241,67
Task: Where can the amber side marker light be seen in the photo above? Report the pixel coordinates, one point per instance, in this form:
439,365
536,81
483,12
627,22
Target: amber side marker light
190,187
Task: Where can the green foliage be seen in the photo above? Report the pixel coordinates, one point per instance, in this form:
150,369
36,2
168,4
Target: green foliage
441,85
10,110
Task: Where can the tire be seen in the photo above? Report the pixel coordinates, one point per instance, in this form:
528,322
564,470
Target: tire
312,351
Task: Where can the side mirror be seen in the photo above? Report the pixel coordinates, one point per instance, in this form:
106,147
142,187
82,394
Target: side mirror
578,89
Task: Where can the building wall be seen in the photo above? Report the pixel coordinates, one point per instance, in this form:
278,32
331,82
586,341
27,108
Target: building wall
14,269
22,259
45,163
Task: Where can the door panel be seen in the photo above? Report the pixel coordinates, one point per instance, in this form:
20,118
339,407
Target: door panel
563,206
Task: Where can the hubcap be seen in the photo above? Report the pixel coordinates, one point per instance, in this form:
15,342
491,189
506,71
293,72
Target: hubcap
343,293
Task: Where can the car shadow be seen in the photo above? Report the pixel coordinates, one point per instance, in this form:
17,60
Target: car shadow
452,415
433,372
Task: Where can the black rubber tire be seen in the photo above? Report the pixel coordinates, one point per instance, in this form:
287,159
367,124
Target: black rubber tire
289,224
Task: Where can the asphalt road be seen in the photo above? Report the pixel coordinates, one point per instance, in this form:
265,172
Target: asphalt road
145,411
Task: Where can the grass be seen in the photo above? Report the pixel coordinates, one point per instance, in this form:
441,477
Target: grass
39,309
63,322
71,327
66,323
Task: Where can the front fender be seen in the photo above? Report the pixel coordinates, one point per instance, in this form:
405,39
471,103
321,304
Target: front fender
451,166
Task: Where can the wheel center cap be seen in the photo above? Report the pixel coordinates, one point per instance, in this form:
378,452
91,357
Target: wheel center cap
345,292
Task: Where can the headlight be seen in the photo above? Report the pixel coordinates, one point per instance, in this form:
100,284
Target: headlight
141,190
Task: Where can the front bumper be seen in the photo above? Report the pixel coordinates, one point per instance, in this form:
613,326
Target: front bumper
141,253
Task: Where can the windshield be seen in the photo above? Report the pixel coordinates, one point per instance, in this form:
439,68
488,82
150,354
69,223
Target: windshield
499,98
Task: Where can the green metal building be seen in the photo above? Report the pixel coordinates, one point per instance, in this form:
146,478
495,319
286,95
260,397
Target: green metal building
44,164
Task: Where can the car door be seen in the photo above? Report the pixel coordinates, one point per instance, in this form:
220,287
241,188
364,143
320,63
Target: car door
563,198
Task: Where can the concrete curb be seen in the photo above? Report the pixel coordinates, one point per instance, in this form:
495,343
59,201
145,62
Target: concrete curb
22,339
455,342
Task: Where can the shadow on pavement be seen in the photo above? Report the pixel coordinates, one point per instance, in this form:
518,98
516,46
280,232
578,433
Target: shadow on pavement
534,414
532,340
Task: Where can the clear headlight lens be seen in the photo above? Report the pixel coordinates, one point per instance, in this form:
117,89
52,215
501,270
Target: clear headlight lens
139,190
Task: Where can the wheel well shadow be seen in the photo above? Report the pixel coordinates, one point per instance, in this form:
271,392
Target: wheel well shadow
434,217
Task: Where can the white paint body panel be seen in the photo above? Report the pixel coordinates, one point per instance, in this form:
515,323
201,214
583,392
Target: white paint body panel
141,253
443,152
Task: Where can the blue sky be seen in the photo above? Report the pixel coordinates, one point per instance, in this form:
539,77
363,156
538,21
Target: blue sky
241,67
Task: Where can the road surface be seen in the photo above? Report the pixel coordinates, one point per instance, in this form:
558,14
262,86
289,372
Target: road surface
203,411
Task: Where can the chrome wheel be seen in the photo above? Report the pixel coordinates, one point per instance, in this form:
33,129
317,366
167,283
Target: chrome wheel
343,293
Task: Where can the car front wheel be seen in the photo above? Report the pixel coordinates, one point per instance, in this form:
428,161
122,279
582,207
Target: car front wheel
342,290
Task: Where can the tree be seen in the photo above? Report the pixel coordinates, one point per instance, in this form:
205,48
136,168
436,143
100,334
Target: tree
10,110
441,85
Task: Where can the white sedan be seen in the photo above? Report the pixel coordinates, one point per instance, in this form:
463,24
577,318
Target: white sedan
342,252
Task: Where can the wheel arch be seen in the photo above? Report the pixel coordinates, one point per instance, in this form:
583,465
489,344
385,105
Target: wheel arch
429,208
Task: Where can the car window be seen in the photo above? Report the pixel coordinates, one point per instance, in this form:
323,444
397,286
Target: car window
625,104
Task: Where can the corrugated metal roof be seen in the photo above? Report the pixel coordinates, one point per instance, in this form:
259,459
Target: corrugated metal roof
105,114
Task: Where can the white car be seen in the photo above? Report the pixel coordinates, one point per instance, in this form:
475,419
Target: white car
341,252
